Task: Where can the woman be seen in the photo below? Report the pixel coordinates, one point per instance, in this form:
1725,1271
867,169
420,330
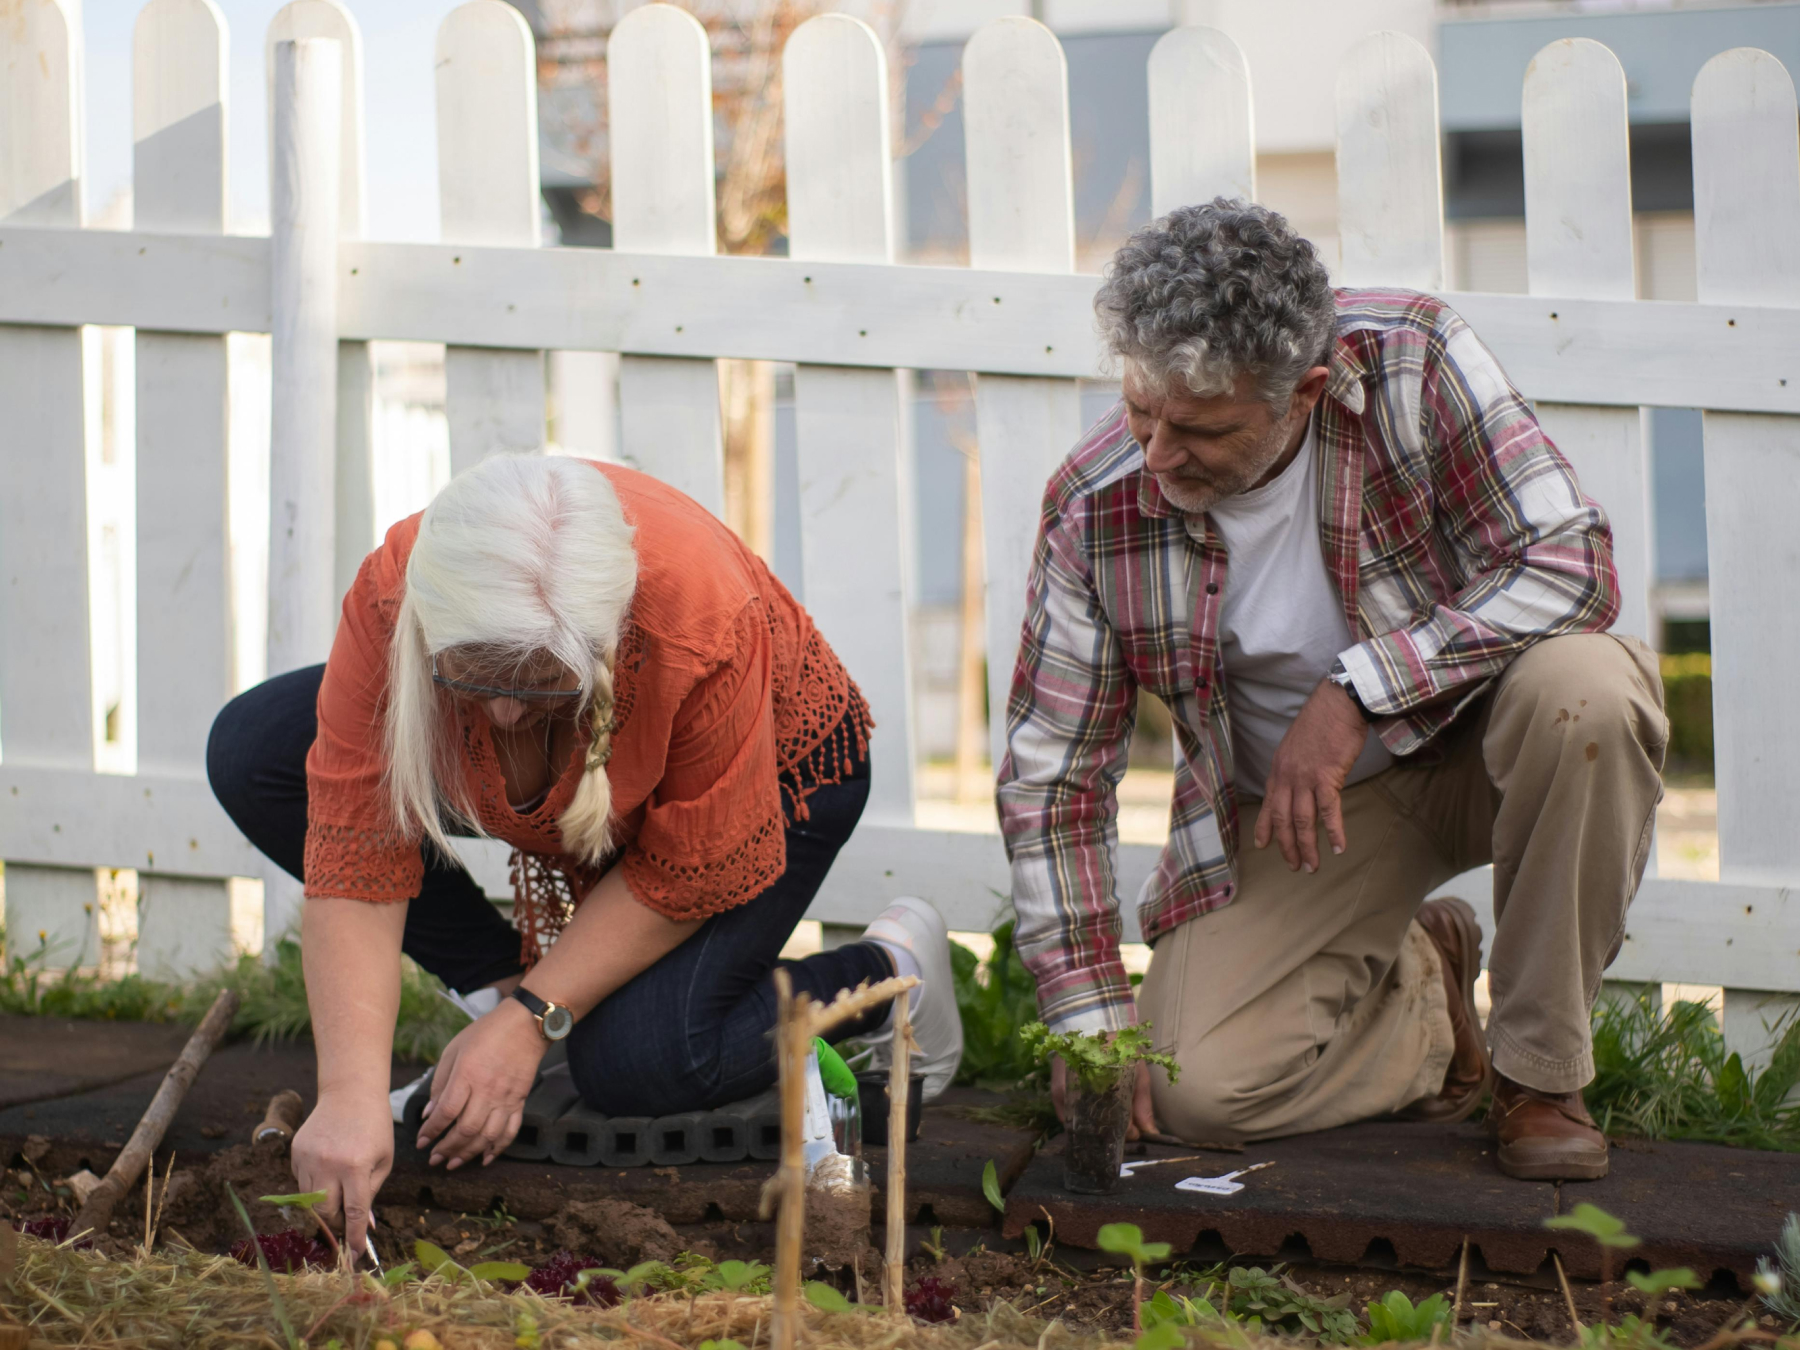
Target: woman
578,660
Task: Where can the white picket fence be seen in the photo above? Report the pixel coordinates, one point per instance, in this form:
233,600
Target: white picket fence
1579,343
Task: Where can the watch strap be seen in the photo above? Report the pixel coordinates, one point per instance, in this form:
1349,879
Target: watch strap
537,1005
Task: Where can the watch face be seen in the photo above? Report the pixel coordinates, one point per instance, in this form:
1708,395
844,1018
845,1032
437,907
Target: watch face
558,1021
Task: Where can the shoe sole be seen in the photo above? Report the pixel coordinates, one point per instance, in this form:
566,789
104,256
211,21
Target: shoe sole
1468,934
1537,1164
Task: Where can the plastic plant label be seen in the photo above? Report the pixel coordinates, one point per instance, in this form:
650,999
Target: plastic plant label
1225,1185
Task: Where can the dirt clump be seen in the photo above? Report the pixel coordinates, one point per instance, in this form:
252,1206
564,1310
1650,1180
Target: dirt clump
617,1232
199,1209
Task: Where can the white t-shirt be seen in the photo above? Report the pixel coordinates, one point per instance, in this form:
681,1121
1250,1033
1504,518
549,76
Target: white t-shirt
1281,624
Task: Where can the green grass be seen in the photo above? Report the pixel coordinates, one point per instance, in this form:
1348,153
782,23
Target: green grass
272,998
1671,1077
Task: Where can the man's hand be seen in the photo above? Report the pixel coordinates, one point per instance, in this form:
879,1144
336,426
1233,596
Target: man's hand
1143,1119
1306,782
478,1092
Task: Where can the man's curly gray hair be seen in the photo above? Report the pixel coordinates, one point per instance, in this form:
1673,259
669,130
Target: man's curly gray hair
1210,292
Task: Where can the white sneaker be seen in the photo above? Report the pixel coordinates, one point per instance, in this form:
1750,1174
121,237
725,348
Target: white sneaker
918,929
477,1004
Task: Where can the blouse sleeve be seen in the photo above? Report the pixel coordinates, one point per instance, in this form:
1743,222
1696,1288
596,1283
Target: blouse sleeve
352,849
713,835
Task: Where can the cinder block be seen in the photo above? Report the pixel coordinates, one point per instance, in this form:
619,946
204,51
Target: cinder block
624,1141
675,1139
724,1137
577,1138
762,1124
549,1101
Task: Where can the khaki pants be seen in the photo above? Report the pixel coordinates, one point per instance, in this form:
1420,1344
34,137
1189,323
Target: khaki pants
1313,1001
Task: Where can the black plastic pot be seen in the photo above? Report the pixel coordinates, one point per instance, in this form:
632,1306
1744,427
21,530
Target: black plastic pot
872,1088
1099,1113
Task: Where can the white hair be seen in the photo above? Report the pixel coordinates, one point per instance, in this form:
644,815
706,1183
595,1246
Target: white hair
519,556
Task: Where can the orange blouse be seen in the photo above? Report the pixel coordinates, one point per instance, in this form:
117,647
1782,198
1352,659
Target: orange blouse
725,695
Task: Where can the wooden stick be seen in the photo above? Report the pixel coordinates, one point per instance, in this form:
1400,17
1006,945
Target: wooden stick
899,1088
852,1003
1568,1295
792,1034
1462,1283
96,1213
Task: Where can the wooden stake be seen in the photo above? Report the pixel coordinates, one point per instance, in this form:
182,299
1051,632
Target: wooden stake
899,1087
1462,1283
96,1212
791,1024
1568,1295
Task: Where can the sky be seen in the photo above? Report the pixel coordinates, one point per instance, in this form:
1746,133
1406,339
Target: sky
399,118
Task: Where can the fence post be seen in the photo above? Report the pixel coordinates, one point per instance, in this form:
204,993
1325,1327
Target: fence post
1390,179
1202,128
184,650
1021,218
46,682
354,488
1747,251
856,489
487,134
1578,244
303,227
659,110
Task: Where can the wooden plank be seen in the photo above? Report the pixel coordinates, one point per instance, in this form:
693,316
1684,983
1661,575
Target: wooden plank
1578,242
184,648
303,210
46,675
487,137
1021,218
1737,357
659,101
856,503
1202,126
1390,180
1747,247
354,488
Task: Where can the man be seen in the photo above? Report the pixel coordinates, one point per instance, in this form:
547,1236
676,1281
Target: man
1327,532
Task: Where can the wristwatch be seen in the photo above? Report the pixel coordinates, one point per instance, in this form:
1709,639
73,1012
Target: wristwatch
554,1020
1341,678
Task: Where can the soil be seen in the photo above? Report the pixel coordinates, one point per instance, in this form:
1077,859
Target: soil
617,1233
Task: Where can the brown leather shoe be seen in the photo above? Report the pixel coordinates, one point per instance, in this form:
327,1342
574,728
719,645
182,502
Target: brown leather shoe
1451,926
1545,1136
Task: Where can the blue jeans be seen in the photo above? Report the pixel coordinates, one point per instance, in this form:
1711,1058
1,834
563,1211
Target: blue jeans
690,1033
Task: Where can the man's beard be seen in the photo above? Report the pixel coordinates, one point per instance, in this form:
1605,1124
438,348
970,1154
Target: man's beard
1195,492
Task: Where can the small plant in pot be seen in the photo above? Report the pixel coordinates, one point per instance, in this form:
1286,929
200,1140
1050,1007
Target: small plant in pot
1103,1068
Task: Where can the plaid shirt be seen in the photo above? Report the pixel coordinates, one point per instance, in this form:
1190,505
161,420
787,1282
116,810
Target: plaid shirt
1456,536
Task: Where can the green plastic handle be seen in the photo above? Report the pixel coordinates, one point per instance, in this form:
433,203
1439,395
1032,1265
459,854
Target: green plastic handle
833,1072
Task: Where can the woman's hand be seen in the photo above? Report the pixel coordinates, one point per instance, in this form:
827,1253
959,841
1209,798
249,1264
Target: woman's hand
346,1149
478,1092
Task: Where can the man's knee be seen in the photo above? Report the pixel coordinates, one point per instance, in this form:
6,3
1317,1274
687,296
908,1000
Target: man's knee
1224,1084
1593,693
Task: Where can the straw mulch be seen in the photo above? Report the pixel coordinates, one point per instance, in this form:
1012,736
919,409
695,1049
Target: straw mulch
199,1302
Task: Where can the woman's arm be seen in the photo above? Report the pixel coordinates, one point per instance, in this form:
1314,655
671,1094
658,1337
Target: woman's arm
478,1093
351,953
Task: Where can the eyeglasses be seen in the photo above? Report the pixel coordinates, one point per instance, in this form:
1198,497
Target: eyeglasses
487,691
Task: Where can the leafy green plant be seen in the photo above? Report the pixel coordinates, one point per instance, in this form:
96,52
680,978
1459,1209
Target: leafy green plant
1127,1240
1397,1318
1659,1282
1094,1056
996,998
1268,1300
276,1305
1609,1232
1778,1282
827,1299
434,1260
1167,1309
990,1187
1670,1076
1165,1336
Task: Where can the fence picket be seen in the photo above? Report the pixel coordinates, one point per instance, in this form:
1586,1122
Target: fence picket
1202,137
303,214
1390,179
856,491
1578,244
46,678
357,529
1747,250
1021,218
184,668
659,103
488,194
